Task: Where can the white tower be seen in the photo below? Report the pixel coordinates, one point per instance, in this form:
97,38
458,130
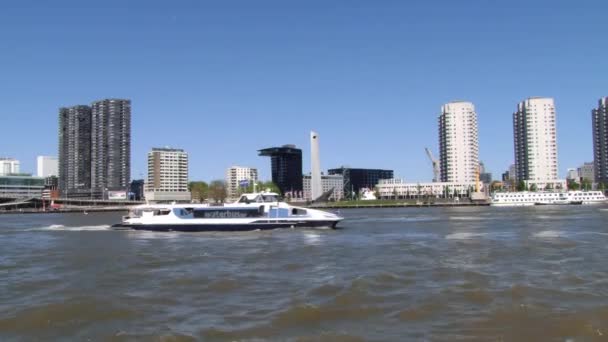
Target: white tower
458,142
535,140
316,189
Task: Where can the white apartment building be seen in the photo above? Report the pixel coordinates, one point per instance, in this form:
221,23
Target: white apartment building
458,143
47,166
235,175
167,175
535,141
8,166
399,188
328,182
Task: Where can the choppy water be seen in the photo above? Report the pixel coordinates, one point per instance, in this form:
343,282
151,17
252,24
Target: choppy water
446,274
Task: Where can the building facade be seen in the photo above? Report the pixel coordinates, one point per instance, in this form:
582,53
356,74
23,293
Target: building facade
286,167
400,189
110,145
167,175
21,186
458,142
334,183
9,166
600,141
75,151
535,141
237,174
47,166
587,172
357,179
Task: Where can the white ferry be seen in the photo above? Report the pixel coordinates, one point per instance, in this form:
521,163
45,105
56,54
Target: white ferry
251,212
524,198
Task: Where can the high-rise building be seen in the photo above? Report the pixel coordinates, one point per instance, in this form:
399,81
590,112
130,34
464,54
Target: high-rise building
167,175
110,144
357,179
286,167
535,140
600,140
572,174
316,186
75,151
46,166
237,176
458,142
8,166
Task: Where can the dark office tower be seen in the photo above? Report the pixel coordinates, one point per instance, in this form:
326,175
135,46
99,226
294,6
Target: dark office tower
110,145
600,141
75,151
286,165
357,179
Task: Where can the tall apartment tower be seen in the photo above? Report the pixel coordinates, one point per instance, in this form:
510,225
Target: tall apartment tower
286,167
75,151
600,141
167,175
535,141
236,174
458,142
110,144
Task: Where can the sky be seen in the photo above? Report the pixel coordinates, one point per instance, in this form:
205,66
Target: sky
222,79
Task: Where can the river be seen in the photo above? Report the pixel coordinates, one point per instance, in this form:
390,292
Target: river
439,274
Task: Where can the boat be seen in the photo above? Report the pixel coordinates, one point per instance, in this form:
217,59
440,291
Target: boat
528,198
254,211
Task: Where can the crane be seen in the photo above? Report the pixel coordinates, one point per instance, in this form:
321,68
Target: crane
435,163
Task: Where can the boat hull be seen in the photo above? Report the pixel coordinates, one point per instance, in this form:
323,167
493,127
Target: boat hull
202,227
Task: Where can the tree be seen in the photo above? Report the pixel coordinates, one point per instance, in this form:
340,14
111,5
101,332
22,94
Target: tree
395,193
199,190
585,184
268,186
533,187
521,186
573,185
549,187
217,191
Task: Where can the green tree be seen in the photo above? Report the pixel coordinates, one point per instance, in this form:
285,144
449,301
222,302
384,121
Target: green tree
521,186
549,187
217,191
199,190
268,186
573,185
586,184
533,187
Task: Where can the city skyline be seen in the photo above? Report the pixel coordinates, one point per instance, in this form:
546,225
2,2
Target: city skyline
361,63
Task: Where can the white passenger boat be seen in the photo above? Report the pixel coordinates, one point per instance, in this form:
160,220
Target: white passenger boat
251,212
524,198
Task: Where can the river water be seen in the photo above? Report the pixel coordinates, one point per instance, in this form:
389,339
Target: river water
444,274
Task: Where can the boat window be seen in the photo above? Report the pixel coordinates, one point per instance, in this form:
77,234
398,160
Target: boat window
160,212
297,211
269,198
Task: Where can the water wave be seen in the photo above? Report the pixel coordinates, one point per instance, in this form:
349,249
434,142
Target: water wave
464,236
466,218
61,227
550,234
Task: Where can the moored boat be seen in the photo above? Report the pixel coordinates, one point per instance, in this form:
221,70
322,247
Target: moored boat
527,198
256,211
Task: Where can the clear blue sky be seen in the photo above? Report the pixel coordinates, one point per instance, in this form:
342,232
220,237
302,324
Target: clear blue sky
222,79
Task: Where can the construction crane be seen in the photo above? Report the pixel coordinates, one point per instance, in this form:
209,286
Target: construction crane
435,163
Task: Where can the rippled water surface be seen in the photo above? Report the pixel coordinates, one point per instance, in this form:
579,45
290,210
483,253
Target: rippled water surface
446,274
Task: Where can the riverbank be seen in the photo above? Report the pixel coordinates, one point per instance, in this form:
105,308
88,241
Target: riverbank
64,210
393,204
